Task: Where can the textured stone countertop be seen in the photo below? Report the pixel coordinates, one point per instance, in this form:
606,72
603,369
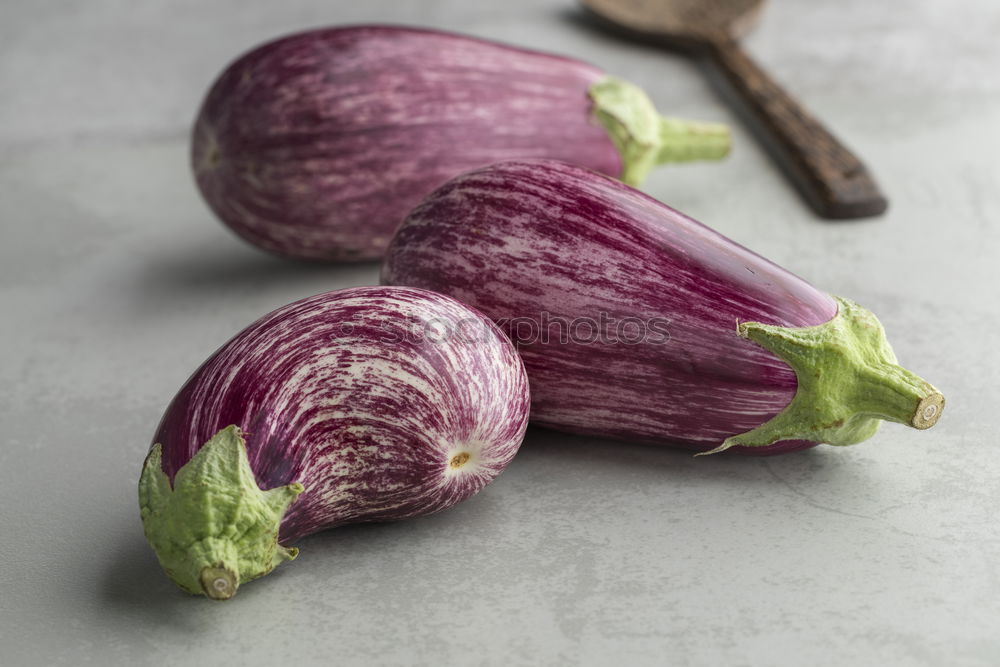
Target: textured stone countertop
116,282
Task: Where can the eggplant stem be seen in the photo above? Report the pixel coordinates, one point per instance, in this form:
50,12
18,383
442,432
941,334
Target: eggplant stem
219,582
216,528
848,382
690,141
645,139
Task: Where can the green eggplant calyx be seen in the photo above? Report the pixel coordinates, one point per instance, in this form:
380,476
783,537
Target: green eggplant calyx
644,138
848,382
215,528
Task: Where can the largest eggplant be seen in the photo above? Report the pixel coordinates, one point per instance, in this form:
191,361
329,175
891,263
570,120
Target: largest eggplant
635,321
316,145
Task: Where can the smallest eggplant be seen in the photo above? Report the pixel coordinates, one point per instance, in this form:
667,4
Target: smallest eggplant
365,404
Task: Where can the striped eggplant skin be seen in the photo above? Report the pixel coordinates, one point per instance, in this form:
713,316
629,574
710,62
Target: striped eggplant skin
316,145
363,397
547,242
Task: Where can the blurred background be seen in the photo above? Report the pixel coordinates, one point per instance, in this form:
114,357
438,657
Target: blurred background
116,281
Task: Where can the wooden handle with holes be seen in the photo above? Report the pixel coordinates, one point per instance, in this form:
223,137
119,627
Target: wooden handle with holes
834,182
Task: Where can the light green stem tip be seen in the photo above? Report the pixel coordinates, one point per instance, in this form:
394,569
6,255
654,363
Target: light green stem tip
216,528
848,381
644,138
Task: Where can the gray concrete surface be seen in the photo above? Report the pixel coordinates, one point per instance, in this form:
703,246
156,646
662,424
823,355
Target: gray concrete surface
115,282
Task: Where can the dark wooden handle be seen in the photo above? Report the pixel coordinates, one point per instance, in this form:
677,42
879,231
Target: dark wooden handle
834,182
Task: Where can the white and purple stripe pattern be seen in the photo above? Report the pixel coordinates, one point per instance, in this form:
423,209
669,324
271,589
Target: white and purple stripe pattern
318,144
359,395
536,239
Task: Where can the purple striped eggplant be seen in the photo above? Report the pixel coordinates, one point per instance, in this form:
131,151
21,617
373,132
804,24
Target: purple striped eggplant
364,404
635,321
318,144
